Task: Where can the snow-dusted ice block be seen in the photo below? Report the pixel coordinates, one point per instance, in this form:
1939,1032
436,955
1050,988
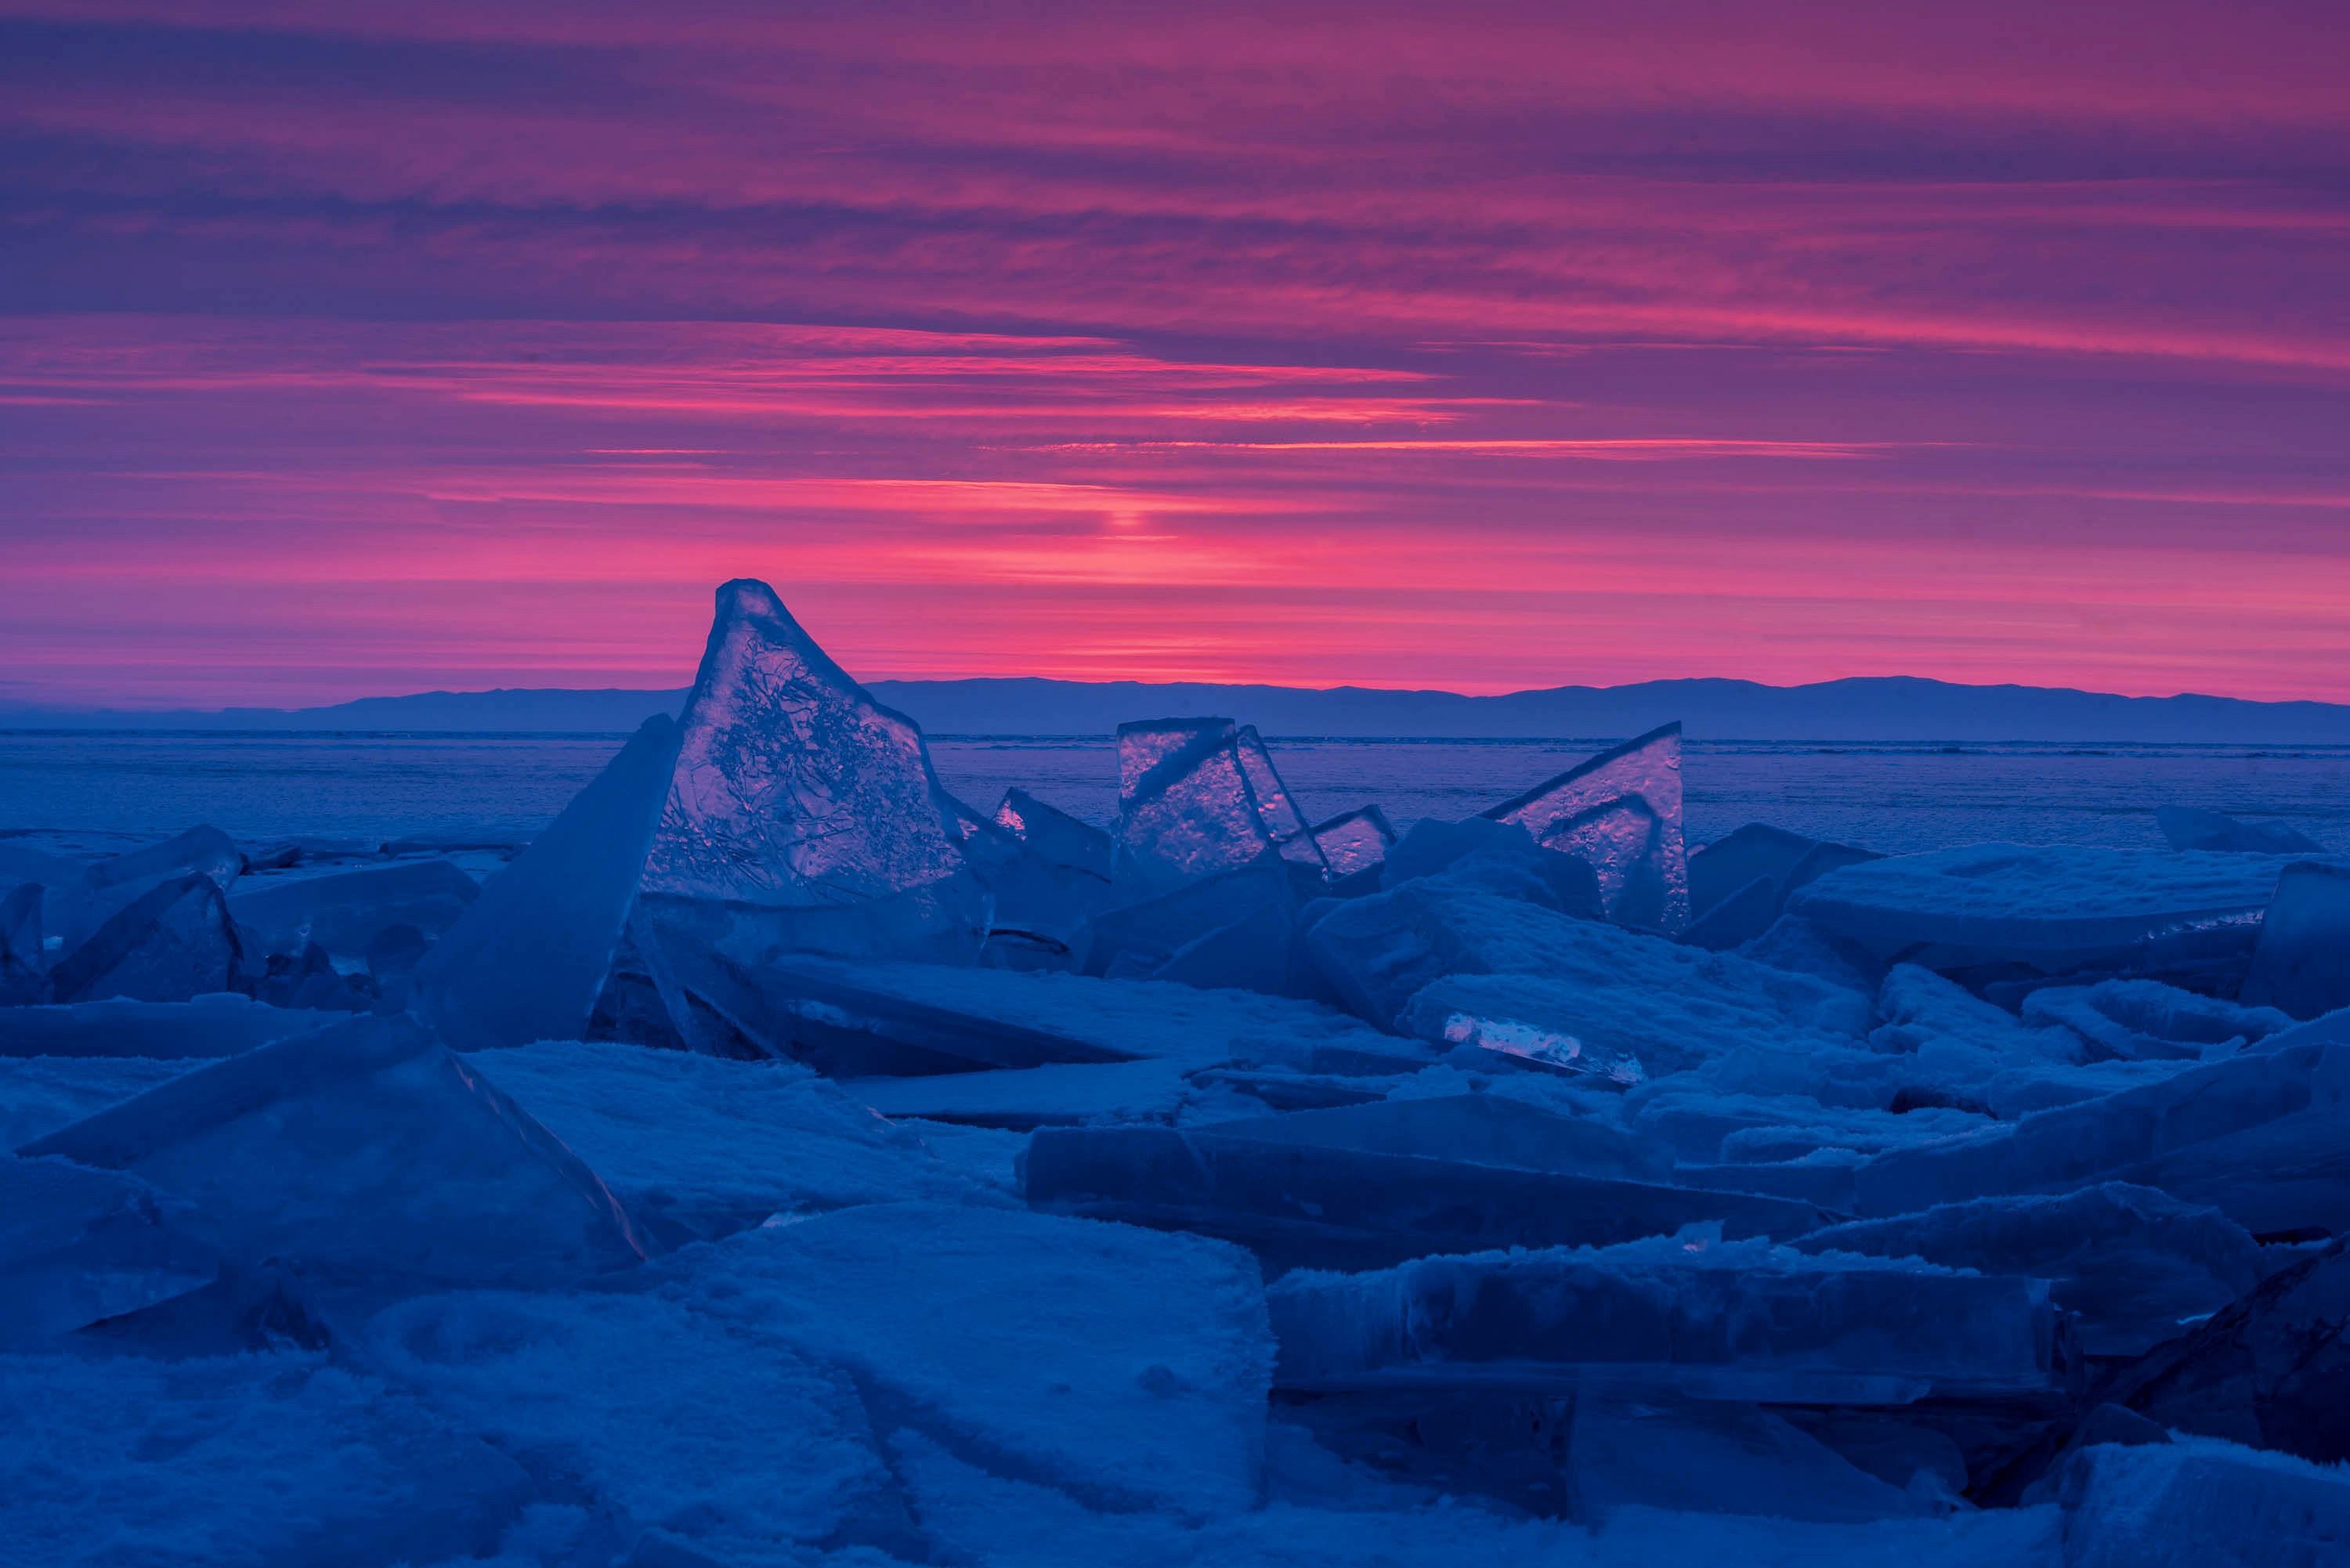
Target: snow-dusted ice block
269,1459
1709,1319
1619,812
39,1094
2055,907
343,911
696,1146
1125,1367
2134,1264
2258,1137
369,1151
2198,1503
802,814
2144,1019
173,942
1063,839
2302,965
663,1417
1195,797
77,1245
1350,843
2192,827
526,960
1303,1204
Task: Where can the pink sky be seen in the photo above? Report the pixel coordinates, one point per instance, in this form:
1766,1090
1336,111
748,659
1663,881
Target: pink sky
1482,346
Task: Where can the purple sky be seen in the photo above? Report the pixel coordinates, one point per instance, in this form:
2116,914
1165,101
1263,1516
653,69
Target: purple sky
1476,347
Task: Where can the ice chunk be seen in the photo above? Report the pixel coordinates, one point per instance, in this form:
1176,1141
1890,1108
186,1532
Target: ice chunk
1619,812
802,814
1136,940
214,1025
2190,827
77,1245
1350,844
697,1146
1022,1098
2134,1264
263,1458
1792,942
2272,1368
655,1412
2137,1020
1378,951
1737,1320
2055,909
79,905
343,911
173,942
2303,962
1783,860
1043,906
369,1151
2258,1137
1656,1451
865,1018
1198,796
2199,1503
1054,834
1125,1367
23,960
1299,1203
1622,1004
526,959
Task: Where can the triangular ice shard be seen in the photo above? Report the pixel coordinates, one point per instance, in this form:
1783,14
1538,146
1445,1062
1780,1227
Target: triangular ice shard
1198,796
1620,813
172,942
526,959
792,786
803,814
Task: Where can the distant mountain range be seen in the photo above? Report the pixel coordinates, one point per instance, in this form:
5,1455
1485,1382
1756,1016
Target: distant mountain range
1876,708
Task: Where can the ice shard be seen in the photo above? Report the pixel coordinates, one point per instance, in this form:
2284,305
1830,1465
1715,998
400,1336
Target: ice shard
369,1152
2302,965
173,942
77,1245
1195,797
1350,844
345,912
526,959
80,907
1054,834
1620,813
803,816
1043,905
23,960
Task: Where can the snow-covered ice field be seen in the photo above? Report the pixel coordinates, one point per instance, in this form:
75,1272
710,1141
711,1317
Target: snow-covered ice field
771,1138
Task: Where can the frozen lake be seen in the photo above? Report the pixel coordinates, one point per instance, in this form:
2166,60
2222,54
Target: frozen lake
1894,798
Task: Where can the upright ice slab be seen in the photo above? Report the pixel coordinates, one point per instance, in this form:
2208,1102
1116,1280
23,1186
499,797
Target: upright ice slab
2302,965
1195,797
1620,813
526,959
172,942
803,814
23,959
370,1152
